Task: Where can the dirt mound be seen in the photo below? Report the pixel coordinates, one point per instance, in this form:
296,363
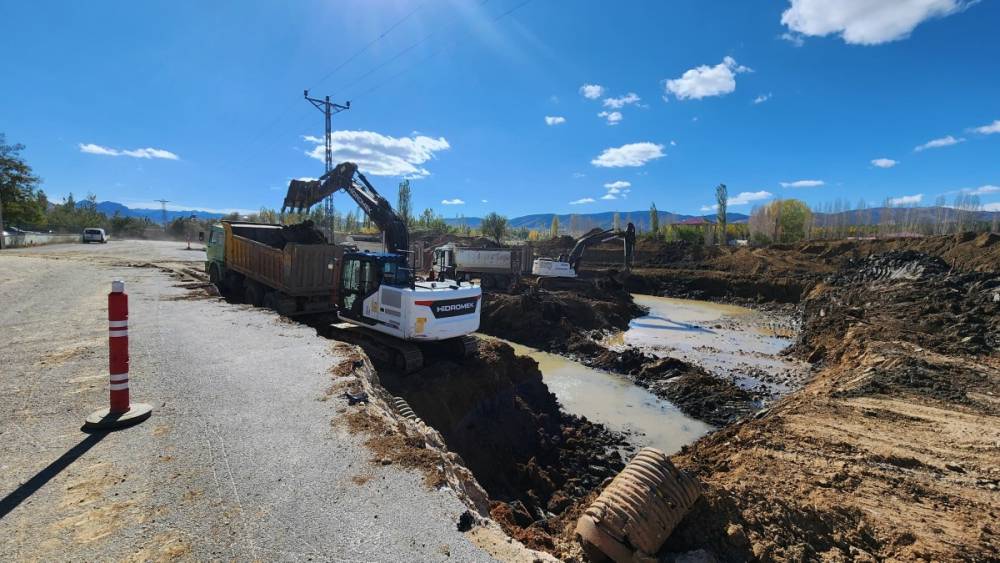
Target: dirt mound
495,412
889,452
552,320
693,390
902,295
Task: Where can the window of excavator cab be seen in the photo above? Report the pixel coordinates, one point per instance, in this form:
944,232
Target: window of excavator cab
394,273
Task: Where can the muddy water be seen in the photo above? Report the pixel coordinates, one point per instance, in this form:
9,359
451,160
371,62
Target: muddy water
616,403
729,341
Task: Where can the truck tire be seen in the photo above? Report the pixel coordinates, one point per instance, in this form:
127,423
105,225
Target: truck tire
215,276
253,293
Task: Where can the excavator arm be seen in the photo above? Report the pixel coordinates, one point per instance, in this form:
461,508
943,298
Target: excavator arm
303,194
597,236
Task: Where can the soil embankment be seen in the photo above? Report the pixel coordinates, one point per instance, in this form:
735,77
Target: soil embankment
533,459
891,450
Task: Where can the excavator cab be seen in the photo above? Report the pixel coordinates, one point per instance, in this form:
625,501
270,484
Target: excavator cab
362,274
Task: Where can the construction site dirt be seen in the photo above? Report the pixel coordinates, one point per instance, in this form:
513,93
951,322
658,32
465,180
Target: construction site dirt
888,450
885,447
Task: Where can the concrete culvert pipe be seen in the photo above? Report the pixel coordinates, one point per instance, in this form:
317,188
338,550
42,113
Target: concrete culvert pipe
639,509
403,408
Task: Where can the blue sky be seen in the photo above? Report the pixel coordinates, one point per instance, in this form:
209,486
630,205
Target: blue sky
623,103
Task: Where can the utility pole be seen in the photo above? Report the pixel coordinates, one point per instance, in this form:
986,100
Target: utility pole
163,205
328,108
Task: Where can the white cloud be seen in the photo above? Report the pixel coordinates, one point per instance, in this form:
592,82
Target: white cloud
381,155
884,162
620,102
617,185
582,201
148,152
579,175
454,201
591,91
705,81
613,117
982,190
865,22
673,143
794,38
995,206
609,195
554,119
906,199
632,154
988,129
762,98
742,198
803,184
938,143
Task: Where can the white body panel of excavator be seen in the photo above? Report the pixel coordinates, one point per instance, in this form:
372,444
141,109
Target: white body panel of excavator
549,268
428,311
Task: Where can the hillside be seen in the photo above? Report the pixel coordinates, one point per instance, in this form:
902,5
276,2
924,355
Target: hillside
542,221
109,208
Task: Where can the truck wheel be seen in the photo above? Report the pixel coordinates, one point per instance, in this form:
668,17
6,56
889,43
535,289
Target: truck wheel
253,294
214,276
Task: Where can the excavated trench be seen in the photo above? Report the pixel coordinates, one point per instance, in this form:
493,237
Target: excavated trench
533,459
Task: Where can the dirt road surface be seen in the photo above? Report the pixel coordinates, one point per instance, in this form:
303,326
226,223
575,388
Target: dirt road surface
242,459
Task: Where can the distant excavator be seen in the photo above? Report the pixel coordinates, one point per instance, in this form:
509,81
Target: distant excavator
568,266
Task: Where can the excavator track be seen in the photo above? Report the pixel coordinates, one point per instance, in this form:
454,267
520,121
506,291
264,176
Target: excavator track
384,351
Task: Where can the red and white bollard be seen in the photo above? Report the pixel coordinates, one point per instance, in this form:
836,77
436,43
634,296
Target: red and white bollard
121,412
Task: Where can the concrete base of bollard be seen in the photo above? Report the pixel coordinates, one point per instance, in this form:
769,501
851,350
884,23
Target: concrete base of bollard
104,420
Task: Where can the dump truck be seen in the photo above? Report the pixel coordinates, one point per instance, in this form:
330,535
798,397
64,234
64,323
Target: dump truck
287,269
494,267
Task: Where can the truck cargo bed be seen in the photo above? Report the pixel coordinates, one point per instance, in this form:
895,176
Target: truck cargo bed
298,270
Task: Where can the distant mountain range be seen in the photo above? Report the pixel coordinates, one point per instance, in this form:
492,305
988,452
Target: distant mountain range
586,221
109,208
605,220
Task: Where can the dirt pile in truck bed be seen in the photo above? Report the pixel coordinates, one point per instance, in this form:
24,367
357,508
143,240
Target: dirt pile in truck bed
891,450
552,320
532,458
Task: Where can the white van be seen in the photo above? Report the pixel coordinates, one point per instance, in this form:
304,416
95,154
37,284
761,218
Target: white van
94,235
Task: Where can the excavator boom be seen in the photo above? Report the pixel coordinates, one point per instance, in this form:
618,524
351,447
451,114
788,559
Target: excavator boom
598,236
303,194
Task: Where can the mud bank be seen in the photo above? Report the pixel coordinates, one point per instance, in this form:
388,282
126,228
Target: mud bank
534,460
553,320
889,452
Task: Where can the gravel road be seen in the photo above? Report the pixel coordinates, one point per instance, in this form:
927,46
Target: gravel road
242,458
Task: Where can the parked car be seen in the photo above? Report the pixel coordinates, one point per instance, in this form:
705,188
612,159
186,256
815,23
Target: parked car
94,235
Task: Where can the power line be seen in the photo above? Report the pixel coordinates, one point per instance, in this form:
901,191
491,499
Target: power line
354,56
438,52
368,46
406,50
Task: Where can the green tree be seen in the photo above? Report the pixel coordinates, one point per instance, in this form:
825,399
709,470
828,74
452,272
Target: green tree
403,207
554,229
494,226
782,220
654,220
20,202
722,201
